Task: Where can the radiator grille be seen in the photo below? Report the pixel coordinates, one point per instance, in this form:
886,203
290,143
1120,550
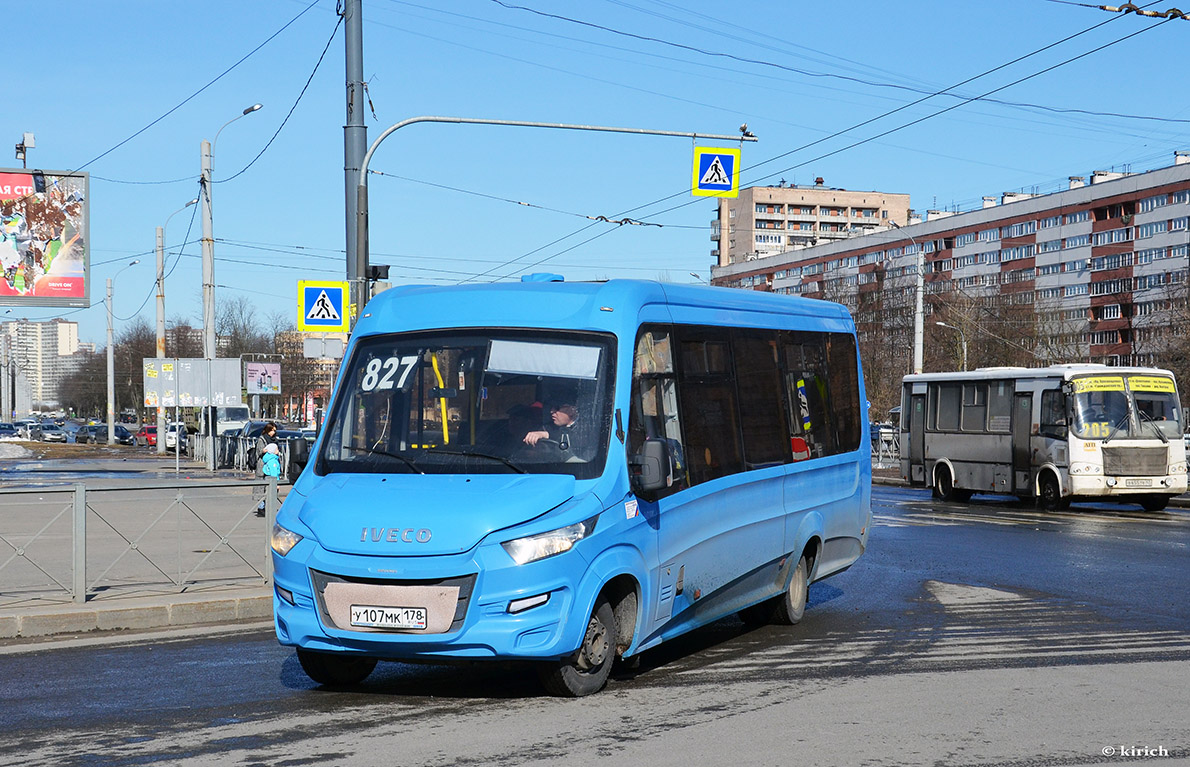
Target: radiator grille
465,584
1135,461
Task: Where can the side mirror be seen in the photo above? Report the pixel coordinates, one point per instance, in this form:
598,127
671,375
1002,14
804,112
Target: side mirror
299,456
652,468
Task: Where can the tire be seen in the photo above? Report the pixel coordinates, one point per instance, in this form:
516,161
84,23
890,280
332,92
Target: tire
1154,502
1051,498
785,610
944,488
792,604
586,671
333,670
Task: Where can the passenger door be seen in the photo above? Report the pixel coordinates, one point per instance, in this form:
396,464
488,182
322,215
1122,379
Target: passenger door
1022,419
715,524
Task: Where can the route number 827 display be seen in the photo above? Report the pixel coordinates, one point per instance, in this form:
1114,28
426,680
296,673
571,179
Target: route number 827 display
378,374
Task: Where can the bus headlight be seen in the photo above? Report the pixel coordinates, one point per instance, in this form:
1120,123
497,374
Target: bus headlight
1177,468
284,540
535,547
1085,468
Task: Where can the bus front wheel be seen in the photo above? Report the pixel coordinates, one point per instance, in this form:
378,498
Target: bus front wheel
1051,494
332,670
585,671
1154,502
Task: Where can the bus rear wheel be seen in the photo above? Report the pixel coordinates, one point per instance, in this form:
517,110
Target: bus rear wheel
787,609
585,671
1051,494
333,670
944,488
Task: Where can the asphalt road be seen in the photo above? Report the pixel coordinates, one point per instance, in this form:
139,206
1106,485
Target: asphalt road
977,634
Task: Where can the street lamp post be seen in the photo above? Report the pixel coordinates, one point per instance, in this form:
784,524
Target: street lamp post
962,337
357,272
919,302
111,364
208,276
161,316
208,241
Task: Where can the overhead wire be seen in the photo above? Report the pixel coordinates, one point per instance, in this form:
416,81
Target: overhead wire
194,95
853,127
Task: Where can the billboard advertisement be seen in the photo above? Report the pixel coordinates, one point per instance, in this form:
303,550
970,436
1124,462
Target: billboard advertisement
44,256
262,377
191,382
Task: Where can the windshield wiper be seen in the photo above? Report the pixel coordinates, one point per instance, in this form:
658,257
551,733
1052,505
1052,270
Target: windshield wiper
407,461
1114,429
501,459
1146,418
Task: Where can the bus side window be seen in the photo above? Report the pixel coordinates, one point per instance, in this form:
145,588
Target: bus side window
654,407
806,388
758,380
707,397
1053,414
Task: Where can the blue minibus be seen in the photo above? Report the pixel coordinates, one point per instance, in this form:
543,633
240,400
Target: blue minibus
571,473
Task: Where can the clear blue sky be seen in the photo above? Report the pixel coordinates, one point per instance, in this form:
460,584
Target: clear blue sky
85,77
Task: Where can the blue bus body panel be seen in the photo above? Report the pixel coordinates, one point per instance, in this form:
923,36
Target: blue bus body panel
733,535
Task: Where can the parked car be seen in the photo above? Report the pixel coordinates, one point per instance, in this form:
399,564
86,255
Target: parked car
123,435
96,434
175,433
28,429
52,433
147,436
7,430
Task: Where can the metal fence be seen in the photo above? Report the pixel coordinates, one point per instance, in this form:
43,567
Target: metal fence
64,542
886,448
237,453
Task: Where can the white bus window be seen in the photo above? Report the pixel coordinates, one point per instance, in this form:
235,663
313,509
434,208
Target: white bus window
1053,414
975,406
946,401
999,406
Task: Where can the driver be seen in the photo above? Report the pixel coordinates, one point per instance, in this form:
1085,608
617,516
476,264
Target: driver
566,429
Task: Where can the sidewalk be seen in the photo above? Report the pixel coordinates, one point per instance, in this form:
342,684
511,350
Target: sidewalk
137,608
40,618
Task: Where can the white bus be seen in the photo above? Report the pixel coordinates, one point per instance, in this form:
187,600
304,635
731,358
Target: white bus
1053,434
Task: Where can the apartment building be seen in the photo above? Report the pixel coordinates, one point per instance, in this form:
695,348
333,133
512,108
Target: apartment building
44,353
1099,267
765,221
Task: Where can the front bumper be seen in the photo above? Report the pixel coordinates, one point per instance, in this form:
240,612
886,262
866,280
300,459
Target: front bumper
482,628
1098,485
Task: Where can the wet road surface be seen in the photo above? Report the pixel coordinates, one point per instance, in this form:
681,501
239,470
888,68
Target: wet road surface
969,634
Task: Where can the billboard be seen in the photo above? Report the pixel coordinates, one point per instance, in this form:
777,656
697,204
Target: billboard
262,377
183,382
44,229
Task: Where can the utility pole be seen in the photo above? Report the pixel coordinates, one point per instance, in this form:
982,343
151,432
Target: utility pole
160,331
355,145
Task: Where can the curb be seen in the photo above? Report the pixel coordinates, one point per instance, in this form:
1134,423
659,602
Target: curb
140,613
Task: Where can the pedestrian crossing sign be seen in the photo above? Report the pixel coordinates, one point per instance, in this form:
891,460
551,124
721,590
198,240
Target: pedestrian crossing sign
322,307
716,172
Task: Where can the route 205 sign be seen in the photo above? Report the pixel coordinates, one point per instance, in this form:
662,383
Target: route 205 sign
716,172
322,306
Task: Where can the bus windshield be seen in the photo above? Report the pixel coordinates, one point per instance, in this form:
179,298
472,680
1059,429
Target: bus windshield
1126,407
474,402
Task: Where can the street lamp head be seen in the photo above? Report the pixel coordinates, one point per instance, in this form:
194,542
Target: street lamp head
134,262
192,202
253,108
